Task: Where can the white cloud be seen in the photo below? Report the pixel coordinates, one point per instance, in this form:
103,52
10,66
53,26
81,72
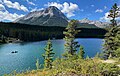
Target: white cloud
30,2
15,5
24,8
2,7
99,11
67,8
9,16
92,5
105,7
36,9
106,19
59,6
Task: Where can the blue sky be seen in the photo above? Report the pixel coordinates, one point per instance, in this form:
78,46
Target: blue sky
10,10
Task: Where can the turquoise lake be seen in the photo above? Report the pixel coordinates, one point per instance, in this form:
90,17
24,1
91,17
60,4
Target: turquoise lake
27,54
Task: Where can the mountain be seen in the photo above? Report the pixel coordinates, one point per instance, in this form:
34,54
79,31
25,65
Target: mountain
92,24
50,16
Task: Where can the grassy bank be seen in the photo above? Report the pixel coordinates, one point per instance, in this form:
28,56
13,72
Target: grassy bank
76,67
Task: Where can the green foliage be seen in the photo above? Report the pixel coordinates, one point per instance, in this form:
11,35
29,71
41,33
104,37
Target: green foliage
112,40
97,55
27,33
48,56
87,57
89,67
37,64
67,55
117,52
117,40
81,52
70,45
75,67
114,13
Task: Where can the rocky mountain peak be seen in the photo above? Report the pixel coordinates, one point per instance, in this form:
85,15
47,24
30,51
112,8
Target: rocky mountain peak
93,22
50,16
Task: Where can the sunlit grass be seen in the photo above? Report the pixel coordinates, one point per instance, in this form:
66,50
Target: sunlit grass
69,67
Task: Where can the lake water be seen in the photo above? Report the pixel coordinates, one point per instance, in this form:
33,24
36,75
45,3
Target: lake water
27,54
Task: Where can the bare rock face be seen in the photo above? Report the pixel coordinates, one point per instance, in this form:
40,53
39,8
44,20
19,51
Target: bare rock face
93,24
50,16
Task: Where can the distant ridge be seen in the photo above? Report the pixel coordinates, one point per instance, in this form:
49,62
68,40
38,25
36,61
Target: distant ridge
93,24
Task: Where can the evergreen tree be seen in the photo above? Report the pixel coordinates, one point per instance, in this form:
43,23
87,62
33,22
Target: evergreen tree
117,40
110,45
118,52
113,14
71,45
81,52
48,56
87,57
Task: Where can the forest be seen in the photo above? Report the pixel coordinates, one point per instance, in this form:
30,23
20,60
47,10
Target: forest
31,33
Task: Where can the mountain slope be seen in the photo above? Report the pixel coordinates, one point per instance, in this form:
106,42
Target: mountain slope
93,24
51,16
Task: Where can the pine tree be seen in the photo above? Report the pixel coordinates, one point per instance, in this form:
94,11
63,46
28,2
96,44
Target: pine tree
118,52
117,40
114,13
110,37
48,56
87,57
110,42
71,45
81,52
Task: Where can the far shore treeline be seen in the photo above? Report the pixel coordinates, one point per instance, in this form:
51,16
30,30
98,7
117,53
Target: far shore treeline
26,32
